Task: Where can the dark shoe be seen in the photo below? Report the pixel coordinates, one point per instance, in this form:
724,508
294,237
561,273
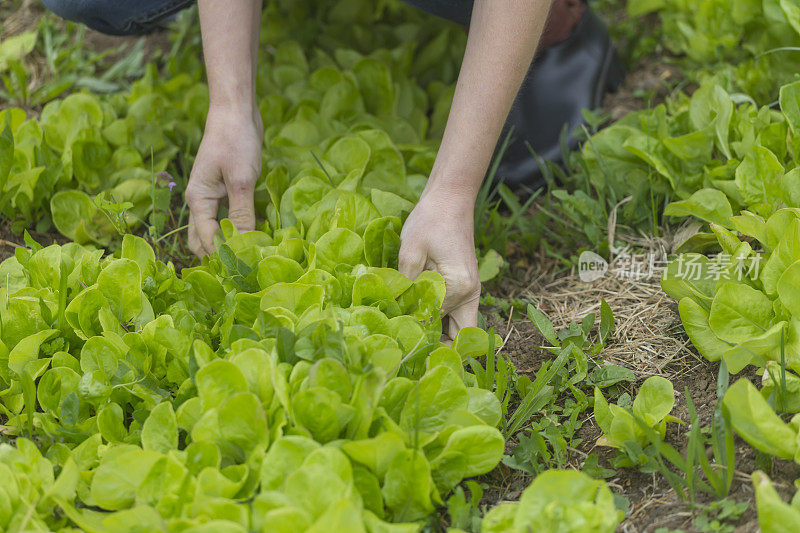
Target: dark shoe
564,78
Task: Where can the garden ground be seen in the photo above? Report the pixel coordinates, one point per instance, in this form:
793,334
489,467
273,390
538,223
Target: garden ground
649,338
650,341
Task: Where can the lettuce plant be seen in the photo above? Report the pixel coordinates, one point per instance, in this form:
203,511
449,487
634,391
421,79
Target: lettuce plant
621,425
742,45
277,364
747,315
774,515
314,89
294,355
710,155
758,424
557,501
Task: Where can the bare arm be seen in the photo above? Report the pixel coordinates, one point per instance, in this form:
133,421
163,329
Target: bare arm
502,39
228,161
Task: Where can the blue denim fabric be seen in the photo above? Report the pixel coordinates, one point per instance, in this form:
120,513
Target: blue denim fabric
117,17
458,11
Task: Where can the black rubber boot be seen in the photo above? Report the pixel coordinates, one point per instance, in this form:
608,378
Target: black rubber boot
564,78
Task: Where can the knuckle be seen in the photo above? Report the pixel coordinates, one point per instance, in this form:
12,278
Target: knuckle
239,180
190,194
410,257
239,185
242,219
467,279
465,283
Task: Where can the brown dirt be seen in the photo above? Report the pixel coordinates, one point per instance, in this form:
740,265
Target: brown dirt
650,77
18,16
649,340
647,85
9,240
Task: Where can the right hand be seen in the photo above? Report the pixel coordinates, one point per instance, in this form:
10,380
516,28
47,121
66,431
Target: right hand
228,163
438,235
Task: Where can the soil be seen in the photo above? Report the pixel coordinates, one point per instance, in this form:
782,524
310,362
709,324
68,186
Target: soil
650,77
18,16
647,85
653,504
21,15
10,240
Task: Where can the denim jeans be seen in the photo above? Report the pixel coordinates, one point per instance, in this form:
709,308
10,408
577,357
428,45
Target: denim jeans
119,17
458,11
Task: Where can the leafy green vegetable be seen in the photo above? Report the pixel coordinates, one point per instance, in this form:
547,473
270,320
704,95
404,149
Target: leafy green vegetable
295,380
651,408
756,422
774,515
739,43
145,407
557,500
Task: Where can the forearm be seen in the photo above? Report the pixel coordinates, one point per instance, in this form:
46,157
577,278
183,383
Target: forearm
502,39
230,46
228,161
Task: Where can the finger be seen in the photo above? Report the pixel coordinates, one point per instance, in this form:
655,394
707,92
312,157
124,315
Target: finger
195,246
461,286
203,206
207,227
411,261
241,209
447,341
463,316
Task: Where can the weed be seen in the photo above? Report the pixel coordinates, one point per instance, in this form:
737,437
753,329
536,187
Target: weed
719,516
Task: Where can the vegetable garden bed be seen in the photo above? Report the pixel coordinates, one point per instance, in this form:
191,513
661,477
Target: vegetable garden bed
296,381
649,340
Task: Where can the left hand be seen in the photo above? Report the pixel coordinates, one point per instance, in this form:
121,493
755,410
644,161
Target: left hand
228,163
438,236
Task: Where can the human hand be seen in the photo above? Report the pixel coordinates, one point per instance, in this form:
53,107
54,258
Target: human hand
438,236
228,163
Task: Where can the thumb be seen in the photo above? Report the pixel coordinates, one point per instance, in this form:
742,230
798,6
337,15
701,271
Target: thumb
463,316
